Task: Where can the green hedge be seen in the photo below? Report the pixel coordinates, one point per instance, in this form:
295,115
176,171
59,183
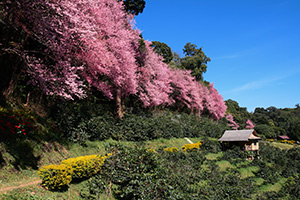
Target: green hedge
144,127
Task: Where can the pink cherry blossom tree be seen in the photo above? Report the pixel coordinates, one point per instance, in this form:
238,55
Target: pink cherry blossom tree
154,78
215,103
186,90
249,124
231,122
94,43
47,46
79,39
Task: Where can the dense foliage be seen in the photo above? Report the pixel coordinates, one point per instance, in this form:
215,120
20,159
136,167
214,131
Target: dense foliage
78,124
268,123
140,173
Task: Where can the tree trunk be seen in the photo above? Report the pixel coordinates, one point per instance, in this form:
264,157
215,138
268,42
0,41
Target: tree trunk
12,74
16,73
119,105
192,111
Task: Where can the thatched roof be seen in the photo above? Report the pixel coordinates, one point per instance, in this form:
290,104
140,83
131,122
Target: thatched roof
239,135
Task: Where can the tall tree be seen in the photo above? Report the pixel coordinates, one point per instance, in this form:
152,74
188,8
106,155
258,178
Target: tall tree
42,41
134,6
93,39
164,50
215,103
154,78
195,60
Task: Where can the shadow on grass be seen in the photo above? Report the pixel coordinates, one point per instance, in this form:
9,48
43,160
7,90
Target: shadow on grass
23,153
2,161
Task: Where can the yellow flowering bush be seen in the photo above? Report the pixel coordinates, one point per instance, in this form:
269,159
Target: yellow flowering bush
151,150
189,147
171,149
55,177
85,166
270,140
288,141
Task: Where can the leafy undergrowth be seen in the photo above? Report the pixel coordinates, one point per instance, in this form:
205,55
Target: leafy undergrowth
54,153
198,172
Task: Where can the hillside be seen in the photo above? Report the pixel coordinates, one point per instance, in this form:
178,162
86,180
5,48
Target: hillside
89,109
181,175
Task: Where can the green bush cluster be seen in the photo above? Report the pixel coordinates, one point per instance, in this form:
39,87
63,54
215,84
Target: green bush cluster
145,126
136,173
57,177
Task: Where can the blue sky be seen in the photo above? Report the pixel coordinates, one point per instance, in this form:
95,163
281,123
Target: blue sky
254,45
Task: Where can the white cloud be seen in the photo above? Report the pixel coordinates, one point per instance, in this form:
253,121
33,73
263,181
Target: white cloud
253,85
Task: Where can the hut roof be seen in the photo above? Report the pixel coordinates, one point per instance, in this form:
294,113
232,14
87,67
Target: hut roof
239,135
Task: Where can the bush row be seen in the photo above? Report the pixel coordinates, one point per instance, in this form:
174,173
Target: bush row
145,127
136,173
58,177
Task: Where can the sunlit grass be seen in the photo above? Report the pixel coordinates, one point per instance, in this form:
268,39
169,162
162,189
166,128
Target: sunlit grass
224,165
282,145
273,187
248,171
214,156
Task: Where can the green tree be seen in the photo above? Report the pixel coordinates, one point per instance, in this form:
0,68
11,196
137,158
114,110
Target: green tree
265,130
164,50
195,60
134,6
240,114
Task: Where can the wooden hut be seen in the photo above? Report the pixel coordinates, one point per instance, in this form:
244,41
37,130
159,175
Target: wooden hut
247,140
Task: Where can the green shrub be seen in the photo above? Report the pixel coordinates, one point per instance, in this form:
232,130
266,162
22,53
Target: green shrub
85,166
56,177
265,131
131,173
211,146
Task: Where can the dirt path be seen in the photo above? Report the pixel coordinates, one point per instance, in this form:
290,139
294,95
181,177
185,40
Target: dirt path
7,189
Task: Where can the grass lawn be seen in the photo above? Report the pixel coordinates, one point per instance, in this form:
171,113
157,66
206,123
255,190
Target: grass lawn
273,187
214,156
173,142
224,165
282,145
248,171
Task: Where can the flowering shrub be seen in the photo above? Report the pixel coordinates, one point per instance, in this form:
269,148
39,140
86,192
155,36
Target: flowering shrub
171,149
56,177
85,166
189,147
16,122
151,150
288,141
